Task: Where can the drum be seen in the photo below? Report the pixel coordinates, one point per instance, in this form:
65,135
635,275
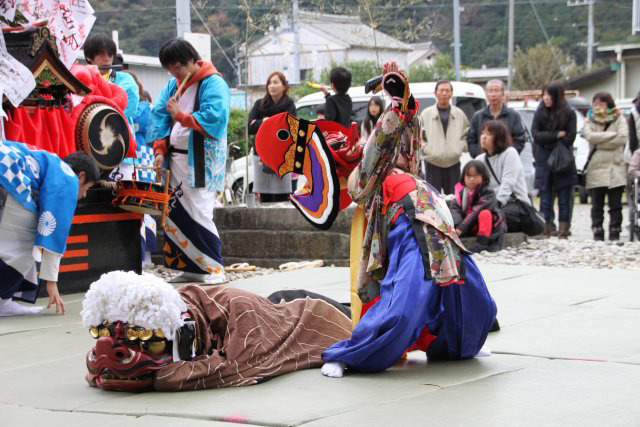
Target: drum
142,197
102,132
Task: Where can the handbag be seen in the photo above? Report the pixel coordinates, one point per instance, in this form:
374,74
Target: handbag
520,216
582,174
561,159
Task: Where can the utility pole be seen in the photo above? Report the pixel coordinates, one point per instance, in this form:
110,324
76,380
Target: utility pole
591,30
183,17
456,37
296,43
510,48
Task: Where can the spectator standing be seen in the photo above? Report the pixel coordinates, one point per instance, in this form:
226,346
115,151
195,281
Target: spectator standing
375,108
496,110
634,167
265,182
337,107
634,129
606,130
554,122
444,134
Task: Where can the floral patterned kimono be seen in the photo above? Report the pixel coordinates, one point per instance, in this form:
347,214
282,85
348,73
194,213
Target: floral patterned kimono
430,291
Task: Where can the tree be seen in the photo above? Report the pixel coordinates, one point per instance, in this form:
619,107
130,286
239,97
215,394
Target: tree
540,65
361,71
442,68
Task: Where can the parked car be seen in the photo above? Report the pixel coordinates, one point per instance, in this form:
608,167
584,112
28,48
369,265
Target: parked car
580,145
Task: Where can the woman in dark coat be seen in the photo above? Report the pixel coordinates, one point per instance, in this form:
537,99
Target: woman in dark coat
265,182
554,123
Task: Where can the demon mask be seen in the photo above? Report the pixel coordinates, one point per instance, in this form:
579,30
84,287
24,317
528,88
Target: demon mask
139,323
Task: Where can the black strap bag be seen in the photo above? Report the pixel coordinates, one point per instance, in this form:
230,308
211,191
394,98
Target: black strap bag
520,216
561,159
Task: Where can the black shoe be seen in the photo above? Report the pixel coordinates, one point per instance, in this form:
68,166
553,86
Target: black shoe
598,233
495,327
614,233
481,244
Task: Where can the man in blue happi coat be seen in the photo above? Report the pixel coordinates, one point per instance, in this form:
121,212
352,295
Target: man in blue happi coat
38,196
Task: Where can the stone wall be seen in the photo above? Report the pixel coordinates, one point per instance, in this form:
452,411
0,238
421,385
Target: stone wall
268,237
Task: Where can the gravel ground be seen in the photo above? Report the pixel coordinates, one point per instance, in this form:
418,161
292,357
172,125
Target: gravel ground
167,274
580,250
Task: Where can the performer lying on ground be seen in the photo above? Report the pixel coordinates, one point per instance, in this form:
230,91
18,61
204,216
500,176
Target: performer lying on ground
38,196
191,132
150,335
431,292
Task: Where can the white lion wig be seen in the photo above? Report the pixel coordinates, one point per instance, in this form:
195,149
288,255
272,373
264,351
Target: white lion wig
142,300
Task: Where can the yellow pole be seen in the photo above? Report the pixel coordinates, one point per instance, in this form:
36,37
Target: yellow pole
358,227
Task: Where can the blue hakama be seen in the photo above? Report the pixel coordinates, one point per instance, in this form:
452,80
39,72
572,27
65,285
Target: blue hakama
459,315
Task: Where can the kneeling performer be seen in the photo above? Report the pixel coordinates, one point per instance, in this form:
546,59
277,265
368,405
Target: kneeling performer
430,291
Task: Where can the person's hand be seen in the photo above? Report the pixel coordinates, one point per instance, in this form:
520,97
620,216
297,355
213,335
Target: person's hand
158,162
390,67
172,107
54,297
617,112
458,232
562,134
94,68
324,90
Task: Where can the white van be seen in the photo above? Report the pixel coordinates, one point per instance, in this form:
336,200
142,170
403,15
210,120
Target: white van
469,97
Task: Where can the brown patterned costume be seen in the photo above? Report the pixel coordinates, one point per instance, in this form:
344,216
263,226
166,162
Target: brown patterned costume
244,339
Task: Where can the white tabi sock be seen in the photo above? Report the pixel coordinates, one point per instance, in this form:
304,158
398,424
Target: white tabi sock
333,369
9,307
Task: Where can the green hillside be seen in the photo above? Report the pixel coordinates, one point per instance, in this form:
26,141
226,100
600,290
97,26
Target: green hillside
144,25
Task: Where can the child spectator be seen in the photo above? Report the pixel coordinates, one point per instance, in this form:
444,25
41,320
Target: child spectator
320,112
475,209
337,108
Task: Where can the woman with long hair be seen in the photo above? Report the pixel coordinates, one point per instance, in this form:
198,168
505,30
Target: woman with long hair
265,182
554,122
606,130
506,171
375,108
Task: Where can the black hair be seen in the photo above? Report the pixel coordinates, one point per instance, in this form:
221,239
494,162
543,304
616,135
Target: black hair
320,109
340,77
177,50
479,167
501,135
443,82
556,113
99,43
370,121
606,98
82,162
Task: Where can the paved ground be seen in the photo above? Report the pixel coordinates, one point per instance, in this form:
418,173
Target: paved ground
568,353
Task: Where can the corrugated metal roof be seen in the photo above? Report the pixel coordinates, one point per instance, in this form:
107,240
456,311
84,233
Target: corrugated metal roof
350,30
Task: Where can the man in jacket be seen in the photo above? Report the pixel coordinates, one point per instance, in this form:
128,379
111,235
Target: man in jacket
444,133
496,110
